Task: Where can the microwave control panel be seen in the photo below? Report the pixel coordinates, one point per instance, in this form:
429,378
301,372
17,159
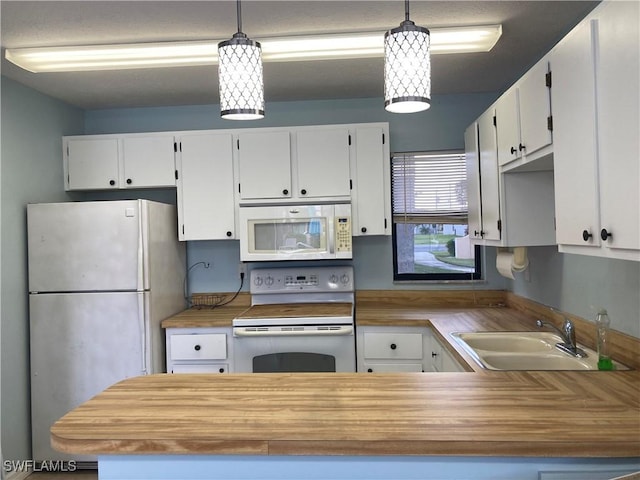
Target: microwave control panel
343,234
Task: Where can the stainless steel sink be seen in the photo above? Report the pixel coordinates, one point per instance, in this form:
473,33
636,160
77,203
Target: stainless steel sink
523,351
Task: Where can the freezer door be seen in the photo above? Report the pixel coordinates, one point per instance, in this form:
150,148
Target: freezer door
81,343
86,246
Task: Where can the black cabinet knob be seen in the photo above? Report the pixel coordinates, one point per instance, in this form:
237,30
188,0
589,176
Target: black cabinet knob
513,150
129,181
521,147
363,229
370,370
229,234
393,346
604,235
112,182
303,191
434,354
285,192
197,348
586,235
221,370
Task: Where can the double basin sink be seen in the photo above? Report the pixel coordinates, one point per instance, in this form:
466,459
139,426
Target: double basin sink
524,351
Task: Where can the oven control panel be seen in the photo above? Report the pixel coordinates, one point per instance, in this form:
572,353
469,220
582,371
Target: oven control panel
302,279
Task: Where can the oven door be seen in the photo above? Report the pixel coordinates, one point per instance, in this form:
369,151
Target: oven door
317,348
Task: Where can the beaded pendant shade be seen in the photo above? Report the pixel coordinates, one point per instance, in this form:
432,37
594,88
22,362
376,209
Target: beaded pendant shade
240,77
407,67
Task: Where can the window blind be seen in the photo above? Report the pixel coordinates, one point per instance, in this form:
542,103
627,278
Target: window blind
429,187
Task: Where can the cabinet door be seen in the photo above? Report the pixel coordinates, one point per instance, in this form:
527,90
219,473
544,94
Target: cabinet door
206,207
372,202
618,101
92,163
574,142
264,160
148,161
535,109
489,177
323,163
472,159
508,127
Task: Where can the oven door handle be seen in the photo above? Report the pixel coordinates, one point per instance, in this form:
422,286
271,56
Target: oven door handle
244,332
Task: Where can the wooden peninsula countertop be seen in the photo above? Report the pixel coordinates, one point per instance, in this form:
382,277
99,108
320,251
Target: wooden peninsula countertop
479,413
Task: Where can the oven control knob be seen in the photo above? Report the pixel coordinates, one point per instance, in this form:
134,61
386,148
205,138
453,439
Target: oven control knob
333,278
268,281
258,281
345,279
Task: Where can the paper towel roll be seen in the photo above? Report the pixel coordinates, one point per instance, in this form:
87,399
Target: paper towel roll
503,264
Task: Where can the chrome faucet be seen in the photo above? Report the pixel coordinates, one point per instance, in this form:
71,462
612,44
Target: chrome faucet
568,334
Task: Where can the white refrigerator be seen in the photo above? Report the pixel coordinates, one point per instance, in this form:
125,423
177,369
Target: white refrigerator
102,276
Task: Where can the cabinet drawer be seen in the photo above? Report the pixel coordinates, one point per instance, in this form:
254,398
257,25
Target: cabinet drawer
393,345
215,368
392,367
199,347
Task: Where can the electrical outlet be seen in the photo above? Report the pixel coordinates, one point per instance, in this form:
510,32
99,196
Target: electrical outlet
242,269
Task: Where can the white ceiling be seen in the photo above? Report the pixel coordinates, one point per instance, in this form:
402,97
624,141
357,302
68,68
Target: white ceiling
530,29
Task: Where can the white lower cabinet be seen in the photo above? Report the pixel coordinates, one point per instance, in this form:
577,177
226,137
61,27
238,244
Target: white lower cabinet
401,349
441,360
199,350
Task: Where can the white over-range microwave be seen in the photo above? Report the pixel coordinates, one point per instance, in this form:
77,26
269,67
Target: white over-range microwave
295,232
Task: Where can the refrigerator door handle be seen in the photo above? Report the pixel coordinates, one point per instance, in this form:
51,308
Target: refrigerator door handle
143,332
141,250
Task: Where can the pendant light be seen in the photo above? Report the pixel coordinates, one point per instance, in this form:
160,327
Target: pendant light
240,76
407,67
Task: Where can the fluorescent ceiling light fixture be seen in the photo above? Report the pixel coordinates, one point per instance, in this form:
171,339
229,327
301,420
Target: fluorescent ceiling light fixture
193,53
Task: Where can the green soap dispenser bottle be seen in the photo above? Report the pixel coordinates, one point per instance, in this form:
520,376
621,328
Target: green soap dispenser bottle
602,325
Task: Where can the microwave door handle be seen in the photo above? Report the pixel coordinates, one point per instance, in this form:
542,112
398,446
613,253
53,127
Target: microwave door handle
332,236
242,332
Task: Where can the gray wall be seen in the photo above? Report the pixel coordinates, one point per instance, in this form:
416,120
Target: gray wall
581,285
32,126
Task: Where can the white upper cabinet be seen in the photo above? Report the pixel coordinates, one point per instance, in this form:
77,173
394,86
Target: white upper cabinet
574,148
98,162
91,163
596,148
300,164
618,87
264,159
508,127
483,186
515,208
371,196
472,160
206,205
323,162
523,118
148,161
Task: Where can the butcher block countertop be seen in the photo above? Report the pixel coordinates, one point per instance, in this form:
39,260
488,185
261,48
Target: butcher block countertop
474,413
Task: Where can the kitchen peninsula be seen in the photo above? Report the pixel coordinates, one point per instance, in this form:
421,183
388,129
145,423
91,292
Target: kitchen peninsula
477,424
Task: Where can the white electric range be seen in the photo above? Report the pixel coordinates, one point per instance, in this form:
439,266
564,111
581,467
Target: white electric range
300,320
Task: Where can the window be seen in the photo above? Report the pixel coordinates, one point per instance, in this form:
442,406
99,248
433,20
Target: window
430,231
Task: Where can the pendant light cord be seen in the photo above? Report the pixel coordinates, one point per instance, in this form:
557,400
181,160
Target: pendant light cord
239,15
406,10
